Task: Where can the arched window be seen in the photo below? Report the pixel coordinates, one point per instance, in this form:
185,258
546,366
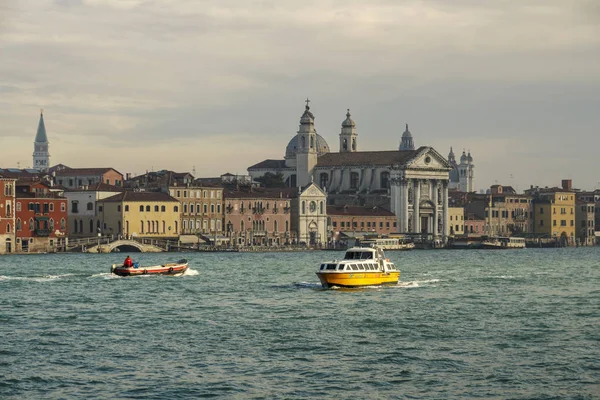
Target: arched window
63,224
90,206
91,226
148,208
184,210
176,228
287,226
354,180
142,226
51,224
127,208
345,144
163,209
81,226
323,179
164,226
141,208
148,226
303,142
321,207
275,226
155,208
19,224
176,209
353,144
75,226
241,226
303,207
312,142
7,228
385,180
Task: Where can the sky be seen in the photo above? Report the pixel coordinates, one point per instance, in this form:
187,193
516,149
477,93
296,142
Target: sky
215,86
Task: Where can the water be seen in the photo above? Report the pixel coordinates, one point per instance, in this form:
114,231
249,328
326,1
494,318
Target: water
522,324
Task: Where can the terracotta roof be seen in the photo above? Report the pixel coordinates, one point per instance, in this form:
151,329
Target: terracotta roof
359,211
261,193
389,157
140,196
269,164
84,171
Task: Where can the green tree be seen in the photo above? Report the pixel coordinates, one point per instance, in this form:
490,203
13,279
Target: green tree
271,180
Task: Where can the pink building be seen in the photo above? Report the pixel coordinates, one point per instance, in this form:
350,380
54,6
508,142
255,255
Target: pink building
258,216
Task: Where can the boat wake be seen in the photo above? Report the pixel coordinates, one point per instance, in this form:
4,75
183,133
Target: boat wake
308,285
41,279
190,272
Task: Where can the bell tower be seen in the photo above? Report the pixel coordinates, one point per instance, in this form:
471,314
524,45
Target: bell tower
41,156
348,136
306,155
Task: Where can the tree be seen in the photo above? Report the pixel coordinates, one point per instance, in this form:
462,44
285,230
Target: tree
271,180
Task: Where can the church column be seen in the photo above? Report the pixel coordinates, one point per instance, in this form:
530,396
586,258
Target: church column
434,189
446,228
417,217
405,203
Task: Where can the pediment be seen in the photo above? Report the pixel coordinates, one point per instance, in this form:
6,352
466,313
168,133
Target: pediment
429,159
312,190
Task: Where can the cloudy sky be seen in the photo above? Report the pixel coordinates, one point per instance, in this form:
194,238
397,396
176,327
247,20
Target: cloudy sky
218,85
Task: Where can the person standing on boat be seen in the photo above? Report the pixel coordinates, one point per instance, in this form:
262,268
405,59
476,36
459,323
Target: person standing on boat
128,263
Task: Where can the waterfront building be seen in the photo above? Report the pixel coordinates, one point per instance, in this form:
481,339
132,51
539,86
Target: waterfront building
258,216
456,221
141,214
585,223
352,221
41,153
412,184
554,212
506,213
201,209
475,226
462,176
82,177
7,215
41,218
83,220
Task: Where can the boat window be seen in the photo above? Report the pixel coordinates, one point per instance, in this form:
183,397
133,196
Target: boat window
341,267
322,266
367,255
354,267
330,267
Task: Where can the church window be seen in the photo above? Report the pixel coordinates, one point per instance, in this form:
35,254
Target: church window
148,208
353,144
312,142
323,179
90,206
303,207
345,144
385,180
354,180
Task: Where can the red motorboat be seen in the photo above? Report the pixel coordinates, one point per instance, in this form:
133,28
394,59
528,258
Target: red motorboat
174,268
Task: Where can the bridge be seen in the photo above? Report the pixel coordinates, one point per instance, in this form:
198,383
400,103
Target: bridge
106,244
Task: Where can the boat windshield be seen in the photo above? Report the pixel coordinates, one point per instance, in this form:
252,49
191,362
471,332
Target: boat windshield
358,255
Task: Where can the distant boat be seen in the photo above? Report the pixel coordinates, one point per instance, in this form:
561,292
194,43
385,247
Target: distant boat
388,243
174,268
361,266
504,243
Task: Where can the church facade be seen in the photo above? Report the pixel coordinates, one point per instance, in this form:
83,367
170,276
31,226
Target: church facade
412,183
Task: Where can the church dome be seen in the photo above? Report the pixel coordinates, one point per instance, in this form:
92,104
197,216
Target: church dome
407,133
292,147
463,158
469,158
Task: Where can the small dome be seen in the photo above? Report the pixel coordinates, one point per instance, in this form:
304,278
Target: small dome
292,147
469,158
463,158
348,121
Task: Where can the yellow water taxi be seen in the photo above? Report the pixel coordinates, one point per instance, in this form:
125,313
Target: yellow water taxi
361,266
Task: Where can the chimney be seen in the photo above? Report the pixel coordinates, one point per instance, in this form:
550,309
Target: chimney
567,184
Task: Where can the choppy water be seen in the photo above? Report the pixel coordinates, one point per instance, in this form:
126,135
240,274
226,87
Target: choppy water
461,324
